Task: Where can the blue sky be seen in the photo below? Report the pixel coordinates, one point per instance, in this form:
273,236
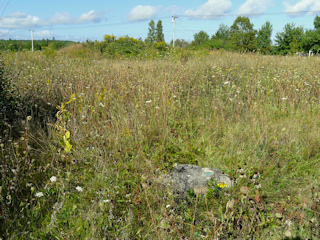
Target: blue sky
82,20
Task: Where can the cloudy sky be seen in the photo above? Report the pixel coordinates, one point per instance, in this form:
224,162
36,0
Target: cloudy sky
82,20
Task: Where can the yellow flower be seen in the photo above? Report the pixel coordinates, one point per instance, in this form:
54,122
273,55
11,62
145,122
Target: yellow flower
222,185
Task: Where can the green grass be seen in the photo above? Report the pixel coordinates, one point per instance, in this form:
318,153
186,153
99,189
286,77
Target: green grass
254,117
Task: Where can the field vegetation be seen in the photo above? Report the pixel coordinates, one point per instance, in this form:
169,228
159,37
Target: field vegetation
83,136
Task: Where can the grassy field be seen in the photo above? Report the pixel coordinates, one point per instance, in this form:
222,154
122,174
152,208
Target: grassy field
94,131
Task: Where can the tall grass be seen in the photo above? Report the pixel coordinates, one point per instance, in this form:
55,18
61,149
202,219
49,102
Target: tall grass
254,117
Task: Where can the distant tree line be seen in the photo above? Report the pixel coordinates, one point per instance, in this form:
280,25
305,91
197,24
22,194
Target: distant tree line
242,37
19,45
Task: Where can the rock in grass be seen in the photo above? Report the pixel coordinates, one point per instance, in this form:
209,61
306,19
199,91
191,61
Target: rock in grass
185,177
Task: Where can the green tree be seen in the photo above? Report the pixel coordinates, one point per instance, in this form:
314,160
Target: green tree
316,22
264,37
311,38
223,32
243,36
159,32
152,33
289,41
200,38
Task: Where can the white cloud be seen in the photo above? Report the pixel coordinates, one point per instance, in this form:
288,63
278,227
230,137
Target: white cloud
210,10
22,20
254,7
43,34
61,18
92,16
19,20
174,9
298,9
140,12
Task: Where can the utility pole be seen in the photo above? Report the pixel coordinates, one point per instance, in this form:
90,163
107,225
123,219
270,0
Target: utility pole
31,37
174,25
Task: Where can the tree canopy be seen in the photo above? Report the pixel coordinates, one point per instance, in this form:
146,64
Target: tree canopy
289,40
264,37
243,36
159,32
152,33
200,38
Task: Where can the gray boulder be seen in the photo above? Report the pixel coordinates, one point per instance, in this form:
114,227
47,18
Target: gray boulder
185,177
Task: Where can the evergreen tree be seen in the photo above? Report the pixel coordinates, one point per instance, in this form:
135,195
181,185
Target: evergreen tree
264,37
159,32
152,33
243,36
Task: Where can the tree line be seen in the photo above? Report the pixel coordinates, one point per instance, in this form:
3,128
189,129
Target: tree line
242,37
19,45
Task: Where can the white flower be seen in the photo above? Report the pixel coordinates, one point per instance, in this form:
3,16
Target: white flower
226,83
167,206
284,98
288,223
53,179
257,186
107,200
149,101
39,194
79,189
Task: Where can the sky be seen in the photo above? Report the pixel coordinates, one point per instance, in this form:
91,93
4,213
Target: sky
91,20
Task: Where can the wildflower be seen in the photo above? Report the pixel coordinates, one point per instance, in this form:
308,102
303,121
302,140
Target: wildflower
244,190
107,200
226,83
284,98
29,118
79,189
230,203
222,185
39,194
149,101
288,223
167,206
53,179
257,186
